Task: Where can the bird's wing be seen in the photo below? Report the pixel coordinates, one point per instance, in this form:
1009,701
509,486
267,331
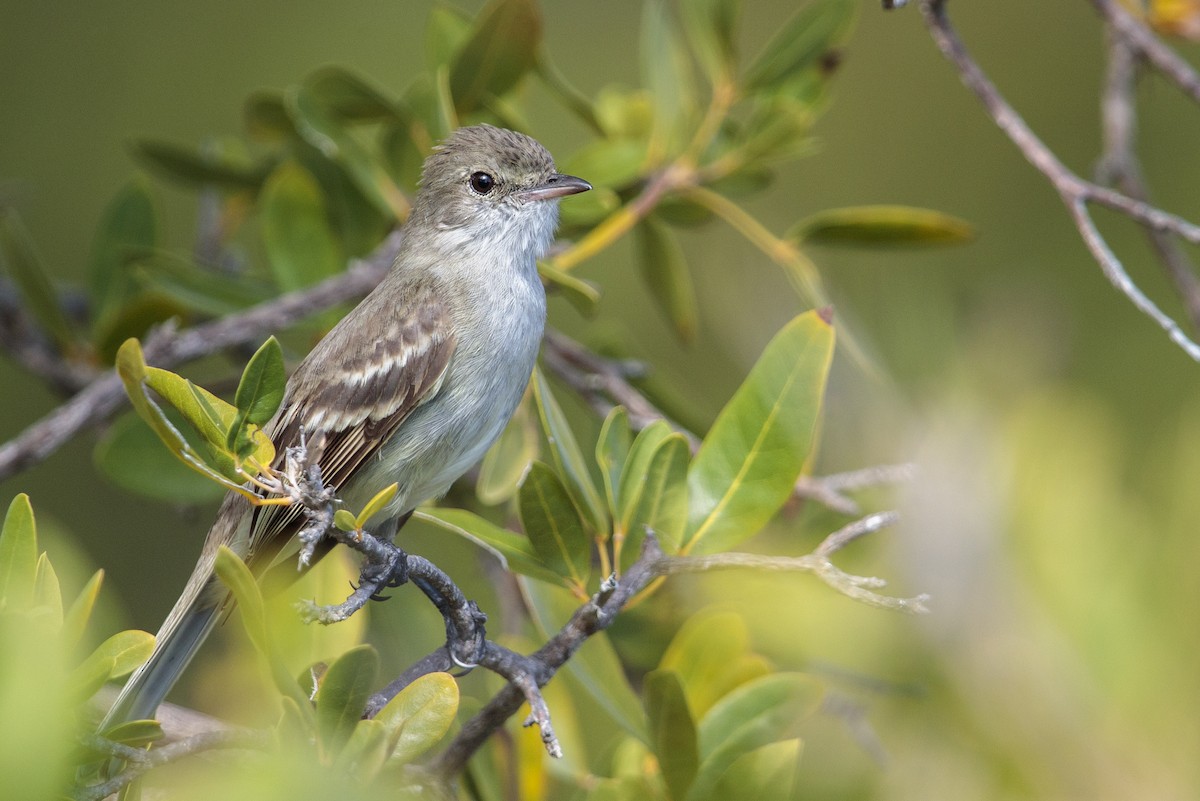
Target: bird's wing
356,391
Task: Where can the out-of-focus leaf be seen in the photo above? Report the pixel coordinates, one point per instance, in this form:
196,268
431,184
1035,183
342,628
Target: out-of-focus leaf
814,30
662,502
608,162
502,47
133,457
755,451
196,288
667,72
588,209
259,393
568,459
756,714
514,551
266,118
301,247
18,554
711,27
347,95
355,214
115,657
682,211
132,318
612,450
583,295
765,774
666,273
343,695
446,29
596,665
19,259
552,524
47,593
181,164
881,226
364,752
420,715
672,732
625,114
129,226
507,461
80,612
711,656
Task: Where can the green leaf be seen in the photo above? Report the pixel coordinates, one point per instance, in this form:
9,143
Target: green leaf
135,733
552,524
502,47
583,295
47,593
662,502
420,715
711,26
814,30
667,73
197,288
756,714
446,29
301,247
76,619
18,555
711,656
583,212
881,226
507,461
765,774
596,666
665,271
613,163
633,475
19,259
752,456
514,551
192,169
129,226
612,450
672,732
376,504
364,752
134,317
115,657
266,117
259,393
347,95
343,695
568,459
345,520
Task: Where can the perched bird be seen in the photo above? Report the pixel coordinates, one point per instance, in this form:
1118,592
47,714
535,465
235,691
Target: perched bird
414,384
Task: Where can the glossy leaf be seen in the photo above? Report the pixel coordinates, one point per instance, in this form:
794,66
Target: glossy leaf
20,260
259,393
711,26
502,47
882,226
420,715
568,459
667,73
18,554
377,503
665,271
507,461
301,247
662,501
347,95
710,654
672,732
77,616
129,226
343,695
814,30
187,167
612,450
752,456
596,666
514,551
552,524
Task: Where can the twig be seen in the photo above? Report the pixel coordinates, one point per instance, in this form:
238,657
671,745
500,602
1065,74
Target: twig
1142,39
1075,192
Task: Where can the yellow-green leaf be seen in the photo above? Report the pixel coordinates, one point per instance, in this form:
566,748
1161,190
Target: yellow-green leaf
420,715
711,26
506,462
672,732
882,226
665,271
815,29
376,504
612,449
345,520
662,500
567,458
76,618
18,555
553,525
515,552
47,593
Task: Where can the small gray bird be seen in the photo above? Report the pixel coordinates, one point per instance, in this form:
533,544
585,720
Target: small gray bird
414,384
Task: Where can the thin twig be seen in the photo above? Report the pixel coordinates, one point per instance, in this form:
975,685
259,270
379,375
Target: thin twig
1157,54
1075,192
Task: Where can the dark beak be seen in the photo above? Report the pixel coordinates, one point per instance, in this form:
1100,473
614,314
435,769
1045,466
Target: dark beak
556,186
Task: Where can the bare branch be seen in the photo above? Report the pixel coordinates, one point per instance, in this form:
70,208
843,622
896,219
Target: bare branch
1141,39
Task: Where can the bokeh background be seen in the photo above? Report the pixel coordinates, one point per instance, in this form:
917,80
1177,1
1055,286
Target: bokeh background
1054,518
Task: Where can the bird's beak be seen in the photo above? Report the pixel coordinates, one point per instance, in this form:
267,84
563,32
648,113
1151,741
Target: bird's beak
556,186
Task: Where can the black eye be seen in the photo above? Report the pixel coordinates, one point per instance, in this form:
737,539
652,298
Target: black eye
482,183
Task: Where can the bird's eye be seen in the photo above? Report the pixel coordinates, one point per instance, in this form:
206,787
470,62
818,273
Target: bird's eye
482,183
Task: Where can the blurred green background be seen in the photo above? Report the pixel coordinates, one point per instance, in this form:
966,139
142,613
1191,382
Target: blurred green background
1055,514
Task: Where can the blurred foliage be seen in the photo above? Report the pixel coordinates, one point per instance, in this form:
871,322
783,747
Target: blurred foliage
1059,661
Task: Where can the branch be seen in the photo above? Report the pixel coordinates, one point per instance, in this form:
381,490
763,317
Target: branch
1076,193
1142,40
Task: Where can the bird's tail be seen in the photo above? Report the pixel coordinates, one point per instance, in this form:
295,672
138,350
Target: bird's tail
190,621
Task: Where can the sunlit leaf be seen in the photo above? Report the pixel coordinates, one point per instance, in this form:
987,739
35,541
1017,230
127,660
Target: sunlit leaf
115,657
420,715
190,168
666,273
129,226
672,732
18,554
815,29
568,459
752,456
343,695
552,524
507,461
20,260
882,226
711,656
515,552
502,47
345,520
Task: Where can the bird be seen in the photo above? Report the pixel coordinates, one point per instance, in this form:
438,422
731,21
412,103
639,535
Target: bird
412,386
